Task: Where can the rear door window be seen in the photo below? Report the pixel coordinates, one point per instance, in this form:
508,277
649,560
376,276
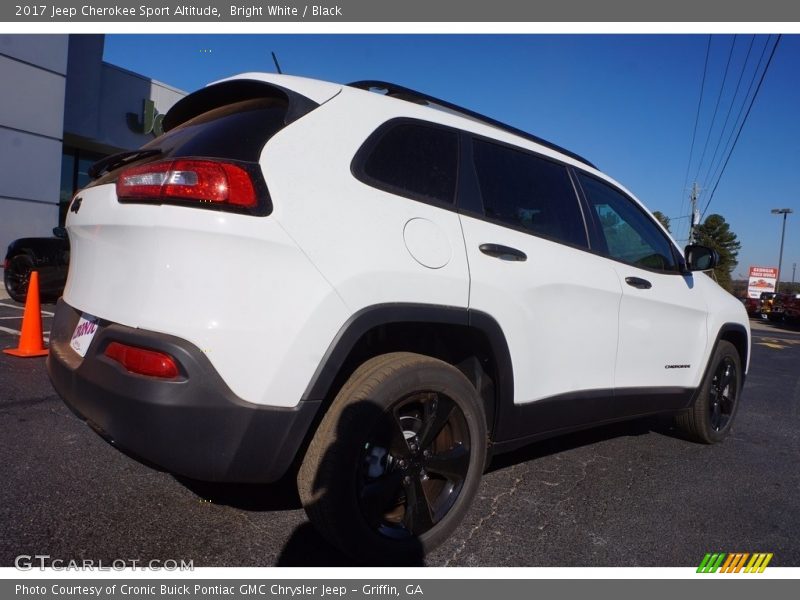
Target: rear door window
529,193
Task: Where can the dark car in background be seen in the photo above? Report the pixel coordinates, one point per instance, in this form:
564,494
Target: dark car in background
753,307
791,309
785,308
49,256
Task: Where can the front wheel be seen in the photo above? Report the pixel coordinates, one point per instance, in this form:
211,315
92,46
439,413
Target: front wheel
17,276
709,420
397,459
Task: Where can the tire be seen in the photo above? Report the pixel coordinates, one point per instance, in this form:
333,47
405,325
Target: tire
397,459
17,276
711,416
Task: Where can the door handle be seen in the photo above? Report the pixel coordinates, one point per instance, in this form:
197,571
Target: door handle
638,283
502,252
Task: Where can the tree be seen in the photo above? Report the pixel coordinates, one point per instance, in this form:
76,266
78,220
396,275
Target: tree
716,233
662,218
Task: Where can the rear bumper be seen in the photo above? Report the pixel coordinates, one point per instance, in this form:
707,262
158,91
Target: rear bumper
193,426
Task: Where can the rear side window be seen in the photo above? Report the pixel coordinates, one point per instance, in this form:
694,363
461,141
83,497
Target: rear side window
529,193
629,234
411,159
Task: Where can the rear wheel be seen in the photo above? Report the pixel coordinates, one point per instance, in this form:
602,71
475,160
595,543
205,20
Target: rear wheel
397,459
710,418
17,276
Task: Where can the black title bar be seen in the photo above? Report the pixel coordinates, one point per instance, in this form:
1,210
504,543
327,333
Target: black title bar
440,11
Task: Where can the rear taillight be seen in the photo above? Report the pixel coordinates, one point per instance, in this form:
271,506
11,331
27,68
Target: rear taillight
143,361
188,180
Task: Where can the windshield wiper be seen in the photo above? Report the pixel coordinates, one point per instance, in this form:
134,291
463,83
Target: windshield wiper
110,163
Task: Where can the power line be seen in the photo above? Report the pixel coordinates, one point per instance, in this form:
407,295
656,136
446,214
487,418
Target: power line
756,71
716,108
749,108
696,120
730,109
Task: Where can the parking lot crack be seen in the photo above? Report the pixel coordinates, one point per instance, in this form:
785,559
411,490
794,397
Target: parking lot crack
493,508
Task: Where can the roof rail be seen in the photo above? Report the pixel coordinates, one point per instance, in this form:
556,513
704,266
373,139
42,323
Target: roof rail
409,95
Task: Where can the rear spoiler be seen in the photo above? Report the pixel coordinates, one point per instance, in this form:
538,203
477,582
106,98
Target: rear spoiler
235,90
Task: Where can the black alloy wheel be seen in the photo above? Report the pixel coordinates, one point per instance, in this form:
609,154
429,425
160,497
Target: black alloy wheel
711,416
415,465
722,394
396,460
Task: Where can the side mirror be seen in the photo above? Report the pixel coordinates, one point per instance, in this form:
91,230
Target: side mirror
60,232
700,258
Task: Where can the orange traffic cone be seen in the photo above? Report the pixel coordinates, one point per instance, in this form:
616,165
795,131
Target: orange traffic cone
31,341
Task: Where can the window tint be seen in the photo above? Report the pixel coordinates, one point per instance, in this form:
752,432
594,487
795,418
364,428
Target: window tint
415,161
236,131
630,235
529,192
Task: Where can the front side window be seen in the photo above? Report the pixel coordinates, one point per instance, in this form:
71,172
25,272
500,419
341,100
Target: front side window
629,234
413,160
528,193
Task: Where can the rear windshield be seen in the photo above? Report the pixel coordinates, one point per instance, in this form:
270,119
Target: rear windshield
235,131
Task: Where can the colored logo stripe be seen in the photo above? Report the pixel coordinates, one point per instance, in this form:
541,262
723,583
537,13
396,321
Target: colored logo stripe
758,563
711,563
734,562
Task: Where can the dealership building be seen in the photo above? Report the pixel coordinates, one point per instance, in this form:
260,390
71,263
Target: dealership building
63,109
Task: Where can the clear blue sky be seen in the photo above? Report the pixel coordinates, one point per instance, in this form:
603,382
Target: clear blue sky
626,102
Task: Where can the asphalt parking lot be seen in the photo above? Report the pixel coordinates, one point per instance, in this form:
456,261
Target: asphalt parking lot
633,494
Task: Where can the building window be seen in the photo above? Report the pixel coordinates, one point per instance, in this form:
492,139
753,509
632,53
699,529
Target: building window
75,164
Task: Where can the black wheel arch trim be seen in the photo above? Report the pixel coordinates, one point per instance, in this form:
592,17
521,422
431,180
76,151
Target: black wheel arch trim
743,347
361,322
510,421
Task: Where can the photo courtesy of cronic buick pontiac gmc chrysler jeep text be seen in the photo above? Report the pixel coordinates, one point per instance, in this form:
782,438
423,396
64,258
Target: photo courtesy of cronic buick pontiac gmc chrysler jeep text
378,291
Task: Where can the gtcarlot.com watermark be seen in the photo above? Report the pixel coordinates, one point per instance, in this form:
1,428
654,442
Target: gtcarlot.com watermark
27,562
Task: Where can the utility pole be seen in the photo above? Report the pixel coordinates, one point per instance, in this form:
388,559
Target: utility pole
794,268
784,212
693,220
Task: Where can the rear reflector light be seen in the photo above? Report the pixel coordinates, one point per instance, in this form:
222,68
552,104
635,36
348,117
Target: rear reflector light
189,180
142,361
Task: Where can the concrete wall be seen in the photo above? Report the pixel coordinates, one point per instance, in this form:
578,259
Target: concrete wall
33,70
100,95
57,90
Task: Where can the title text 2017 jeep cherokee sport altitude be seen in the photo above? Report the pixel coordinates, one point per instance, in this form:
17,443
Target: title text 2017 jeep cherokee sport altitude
382,288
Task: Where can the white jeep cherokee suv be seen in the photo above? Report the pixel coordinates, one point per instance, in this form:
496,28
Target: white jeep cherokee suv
375,290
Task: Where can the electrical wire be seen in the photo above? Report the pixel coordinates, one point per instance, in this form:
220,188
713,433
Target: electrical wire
696,121
730,110
753,79
716,108
747,114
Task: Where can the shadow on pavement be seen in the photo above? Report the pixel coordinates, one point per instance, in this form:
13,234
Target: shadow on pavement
281,495
307,548
562,443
